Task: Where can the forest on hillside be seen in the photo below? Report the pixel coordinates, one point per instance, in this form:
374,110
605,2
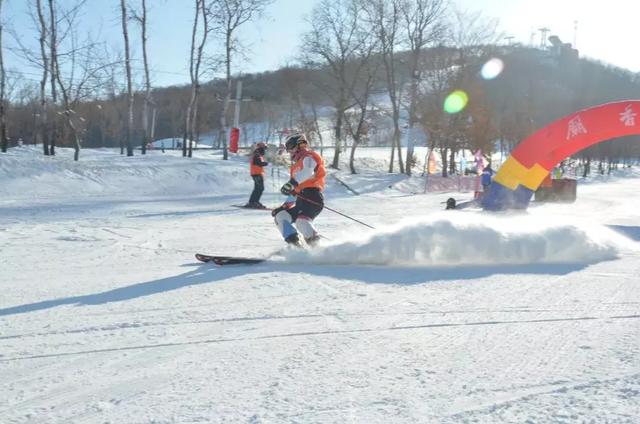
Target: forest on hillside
369,72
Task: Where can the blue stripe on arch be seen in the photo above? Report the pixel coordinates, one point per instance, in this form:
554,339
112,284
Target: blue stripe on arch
500,198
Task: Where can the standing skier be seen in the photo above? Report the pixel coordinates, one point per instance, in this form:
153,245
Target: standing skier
256,168
304,190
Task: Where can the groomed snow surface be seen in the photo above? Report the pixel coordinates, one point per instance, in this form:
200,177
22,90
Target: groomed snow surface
433,316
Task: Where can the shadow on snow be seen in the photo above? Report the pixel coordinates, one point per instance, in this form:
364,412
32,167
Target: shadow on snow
367,274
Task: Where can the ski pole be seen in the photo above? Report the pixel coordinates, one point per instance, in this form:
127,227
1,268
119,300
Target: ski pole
335,211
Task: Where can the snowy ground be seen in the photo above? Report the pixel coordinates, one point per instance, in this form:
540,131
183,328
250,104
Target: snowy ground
433,317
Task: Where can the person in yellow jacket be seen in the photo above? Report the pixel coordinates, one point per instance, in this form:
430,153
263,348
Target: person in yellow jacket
304,190
256,168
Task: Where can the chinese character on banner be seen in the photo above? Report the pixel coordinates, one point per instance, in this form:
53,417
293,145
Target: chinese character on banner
432,163
628,117
575,128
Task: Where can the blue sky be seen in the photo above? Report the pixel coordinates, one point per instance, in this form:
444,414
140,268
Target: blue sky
606,34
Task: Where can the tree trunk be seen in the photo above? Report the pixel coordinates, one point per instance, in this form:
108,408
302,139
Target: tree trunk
4,143
185,137
53,46
127,61
146,137
443,153
352,167
338,140
396,141
452,162
412,113
76,137
42,121
317,127
194,71
393,153
227,97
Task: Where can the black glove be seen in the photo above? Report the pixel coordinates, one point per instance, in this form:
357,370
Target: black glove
278,210
288,187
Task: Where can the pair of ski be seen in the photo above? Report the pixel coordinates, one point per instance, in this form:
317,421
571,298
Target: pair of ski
238,260
228,260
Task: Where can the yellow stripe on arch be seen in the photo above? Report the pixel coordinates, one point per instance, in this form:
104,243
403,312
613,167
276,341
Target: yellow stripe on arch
512,174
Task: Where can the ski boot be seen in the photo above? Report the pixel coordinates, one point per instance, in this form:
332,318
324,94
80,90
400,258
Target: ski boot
313,240
294,240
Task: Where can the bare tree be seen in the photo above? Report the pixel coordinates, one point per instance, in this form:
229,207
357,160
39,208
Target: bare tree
41,123
357,123
481,128
473,37
299,84
83,65
53,52
336,37
423,23
472,33
227,17
439,79
67,18
39,61
127,61
3,80
384,17
195,61
141,18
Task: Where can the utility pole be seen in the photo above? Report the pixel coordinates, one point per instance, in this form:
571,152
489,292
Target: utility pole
235,131
543,37
236,115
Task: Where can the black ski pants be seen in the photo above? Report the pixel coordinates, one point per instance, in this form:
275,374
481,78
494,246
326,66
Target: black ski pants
258,188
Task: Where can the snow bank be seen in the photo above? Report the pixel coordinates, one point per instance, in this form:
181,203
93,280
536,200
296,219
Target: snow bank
26,173
474,239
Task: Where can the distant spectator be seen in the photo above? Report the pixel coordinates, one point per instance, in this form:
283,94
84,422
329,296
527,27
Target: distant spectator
485,179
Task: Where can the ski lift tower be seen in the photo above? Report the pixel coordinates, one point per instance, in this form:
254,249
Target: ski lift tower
543,37
235,131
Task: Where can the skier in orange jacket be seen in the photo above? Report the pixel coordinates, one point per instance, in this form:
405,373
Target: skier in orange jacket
256,168
304,190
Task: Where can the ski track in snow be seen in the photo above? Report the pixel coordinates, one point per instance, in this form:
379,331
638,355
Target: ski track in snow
529,318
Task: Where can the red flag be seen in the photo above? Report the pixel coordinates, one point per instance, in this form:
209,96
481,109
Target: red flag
233,142
432,163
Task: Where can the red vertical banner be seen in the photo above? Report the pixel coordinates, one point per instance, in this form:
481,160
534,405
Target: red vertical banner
432,163
233,140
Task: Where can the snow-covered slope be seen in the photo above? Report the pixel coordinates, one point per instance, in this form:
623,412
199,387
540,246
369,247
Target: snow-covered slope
461,316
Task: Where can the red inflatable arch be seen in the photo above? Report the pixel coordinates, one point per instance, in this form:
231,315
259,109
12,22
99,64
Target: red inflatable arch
532,160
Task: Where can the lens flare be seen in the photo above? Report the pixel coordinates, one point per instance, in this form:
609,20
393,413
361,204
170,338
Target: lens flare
456,102
492,68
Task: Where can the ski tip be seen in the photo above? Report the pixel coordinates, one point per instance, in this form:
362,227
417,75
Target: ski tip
229,260
203,258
